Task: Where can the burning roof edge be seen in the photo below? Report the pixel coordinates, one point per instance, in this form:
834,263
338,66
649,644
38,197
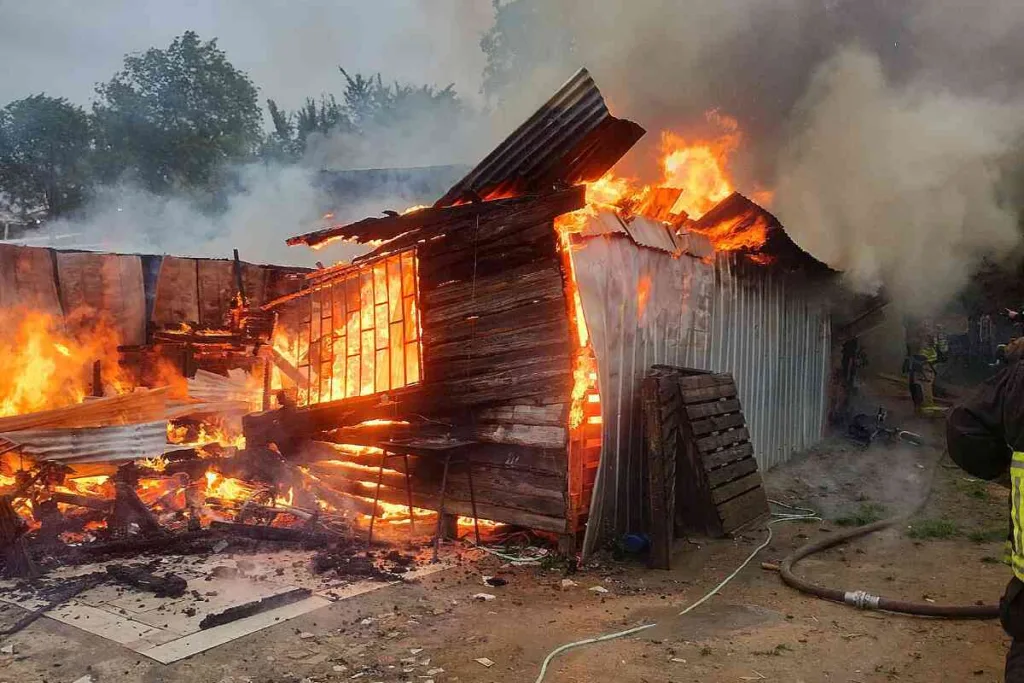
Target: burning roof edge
778,245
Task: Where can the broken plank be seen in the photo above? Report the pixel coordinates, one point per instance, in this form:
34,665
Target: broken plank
688,383
724,457
717,423
742,509
734,488
716,441
709,393
702,410
730,472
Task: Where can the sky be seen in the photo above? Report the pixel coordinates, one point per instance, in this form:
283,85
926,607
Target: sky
290,50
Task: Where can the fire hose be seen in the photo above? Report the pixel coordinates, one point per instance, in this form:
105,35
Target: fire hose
856,598
864,600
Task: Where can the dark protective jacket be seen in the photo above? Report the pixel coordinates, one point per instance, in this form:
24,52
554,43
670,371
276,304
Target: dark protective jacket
983,432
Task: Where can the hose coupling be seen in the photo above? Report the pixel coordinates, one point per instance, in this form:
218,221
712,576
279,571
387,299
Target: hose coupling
861,599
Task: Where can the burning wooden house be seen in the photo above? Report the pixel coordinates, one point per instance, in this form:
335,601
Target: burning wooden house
485,357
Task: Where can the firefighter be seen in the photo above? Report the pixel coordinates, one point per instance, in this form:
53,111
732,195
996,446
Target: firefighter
985,437
925,350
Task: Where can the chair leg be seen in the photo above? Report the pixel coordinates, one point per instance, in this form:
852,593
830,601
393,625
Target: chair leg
376,498
472,500
440,507
408,493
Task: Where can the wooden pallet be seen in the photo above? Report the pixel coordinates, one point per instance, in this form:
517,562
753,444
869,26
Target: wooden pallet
717,487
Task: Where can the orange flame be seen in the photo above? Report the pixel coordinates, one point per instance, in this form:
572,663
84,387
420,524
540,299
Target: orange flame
643,293
42,366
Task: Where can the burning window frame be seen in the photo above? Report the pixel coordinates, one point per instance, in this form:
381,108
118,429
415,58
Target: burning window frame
380,303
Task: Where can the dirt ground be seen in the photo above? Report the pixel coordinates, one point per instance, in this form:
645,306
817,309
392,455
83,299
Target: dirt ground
756,629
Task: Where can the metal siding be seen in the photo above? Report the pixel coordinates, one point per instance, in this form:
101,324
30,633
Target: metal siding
771,335
93,444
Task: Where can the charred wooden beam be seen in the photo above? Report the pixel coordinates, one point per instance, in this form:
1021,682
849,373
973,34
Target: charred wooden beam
129,509
17,561
260,532
431,219
257,606
169,585
91,502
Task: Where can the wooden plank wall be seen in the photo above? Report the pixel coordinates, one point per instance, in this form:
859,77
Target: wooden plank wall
497,362
186,290
111,283
497,345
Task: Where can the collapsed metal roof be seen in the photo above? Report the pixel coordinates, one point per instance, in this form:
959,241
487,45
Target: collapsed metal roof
571,139
740,213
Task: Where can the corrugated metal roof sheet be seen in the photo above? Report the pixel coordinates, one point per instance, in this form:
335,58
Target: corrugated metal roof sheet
603,223
572,138
650,233
778,245
213,388
93,444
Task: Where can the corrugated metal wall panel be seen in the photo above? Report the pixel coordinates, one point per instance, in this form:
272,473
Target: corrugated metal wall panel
756,323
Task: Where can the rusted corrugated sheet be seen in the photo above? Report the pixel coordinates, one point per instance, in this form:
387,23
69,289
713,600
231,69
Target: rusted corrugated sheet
759,323
93,444
573,138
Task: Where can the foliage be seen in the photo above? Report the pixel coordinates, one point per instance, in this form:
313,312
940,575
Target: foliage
367,105
44,150
933,529
173,118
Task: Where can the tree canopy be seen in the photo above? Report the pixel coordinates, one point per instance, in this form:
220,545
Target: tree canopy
44,147
172,118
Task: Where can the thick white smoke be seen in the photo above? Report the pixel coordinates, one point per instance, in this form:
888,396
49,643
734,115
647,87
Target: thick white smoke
897,185
272,204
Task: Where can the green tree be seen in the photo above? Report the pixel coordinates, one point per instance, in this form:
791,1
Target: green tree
44,149
367,106
526,34
173,118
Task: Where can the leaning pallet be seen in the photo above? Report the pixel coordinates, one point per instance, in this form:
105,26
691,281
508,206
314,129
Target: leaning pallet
697,422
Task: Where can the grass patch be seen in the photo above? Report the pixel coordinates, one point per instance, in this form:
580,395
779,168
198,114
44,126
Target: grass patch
933,529
867,513
973,488
993,535
705,651
776,651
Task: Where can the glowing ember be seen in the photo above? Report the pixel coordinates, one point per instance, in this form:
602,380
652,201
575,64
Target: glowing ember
740,232
43,367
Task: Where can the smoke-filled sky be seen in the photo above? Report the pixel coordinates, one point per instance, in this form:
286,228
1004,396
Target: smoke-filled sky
884,126
290,49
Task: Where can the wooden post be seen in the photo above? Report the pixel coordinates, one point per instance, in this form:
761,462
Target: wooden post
239,282
97,379
267,376
17,561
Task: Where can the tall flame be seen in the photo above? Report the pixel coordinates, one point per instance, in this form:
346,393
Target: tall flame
42,366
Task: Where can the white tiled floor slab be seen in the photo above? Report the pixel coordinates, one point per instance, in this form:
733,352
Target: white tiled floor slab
167,629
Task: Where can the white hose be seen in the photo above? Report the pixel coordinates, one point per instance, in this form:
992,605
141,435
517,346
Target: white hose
805,514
